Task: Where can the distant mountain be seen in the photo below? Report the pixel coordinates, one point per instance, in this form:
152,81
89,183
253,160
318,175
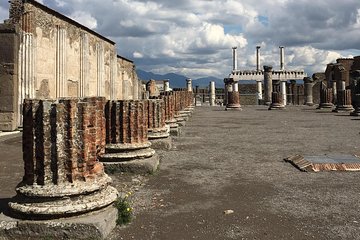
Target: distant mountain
177,80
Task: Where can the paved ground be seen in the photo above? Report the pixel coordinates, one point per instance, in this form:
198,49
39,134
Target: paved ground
234,161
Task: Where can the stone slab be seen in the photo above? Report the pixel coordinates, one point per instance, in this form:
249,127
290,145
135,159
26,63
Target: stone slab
161,143
137,166
95,225
334,162
175,132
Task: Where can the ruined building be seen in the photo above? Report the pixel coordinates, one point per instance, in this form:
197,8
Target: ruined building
46,55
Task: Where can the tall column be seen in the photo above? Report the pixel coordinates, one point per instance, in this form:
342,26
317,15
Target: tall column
62,141
234,55
334,89
268,84
258,58
282,58
308,90
166,85
189,84
283,91
259,94
127,145
100,69
84,65
293,91
212,93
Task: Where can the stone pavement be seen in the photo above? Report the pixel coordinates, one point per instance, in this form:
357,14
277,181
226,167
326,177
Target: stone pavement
234,161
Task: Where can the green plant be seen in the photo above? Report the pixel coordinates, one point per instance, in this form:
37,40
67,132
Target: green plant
124,208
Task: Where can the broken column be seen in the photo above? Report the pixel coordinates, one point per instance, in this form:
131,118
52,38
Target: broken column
343,101
283,91
326,97
233,96
355,90
268,84
259,94
166,85
170,113
158,132
308,89
277,101
212,93
127,145
62,143
189,84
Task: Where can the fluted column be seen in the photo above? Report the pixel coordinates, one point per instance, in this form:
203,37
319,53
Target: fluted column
326,97
308,89
344,101
276,101
127,144
62,141
212,93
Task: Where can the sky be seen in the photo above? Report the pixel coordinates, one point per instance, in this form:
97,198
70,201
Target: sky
195,37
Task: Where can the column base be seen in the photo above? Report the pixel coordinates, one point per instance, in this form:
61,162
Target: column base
325,105
161,143
94,225
356,112
230,107
344,108
276,106
309,104
138,166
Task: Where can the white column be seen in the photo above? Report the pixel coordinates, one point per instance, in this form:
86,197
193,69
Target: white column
236,87
166,85
234,54
212,93
189,84
282,58
283,91
334,90
257,58
259,89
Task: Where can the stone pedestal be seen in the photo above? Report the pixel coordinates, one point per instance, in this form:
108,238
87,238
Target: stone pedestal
127,144
267,84
277,101
344,101
308,86
158,132
62,141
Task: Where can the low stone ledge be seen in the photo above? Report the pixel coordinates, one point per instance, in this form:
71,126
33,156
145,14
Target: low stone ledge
162,143
137,166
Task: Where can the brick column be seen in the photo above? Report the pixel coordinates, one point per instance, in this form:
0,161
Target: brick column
158,131
179,116
233,101
62,141
277,101
344,101
170,114
127,144
326,97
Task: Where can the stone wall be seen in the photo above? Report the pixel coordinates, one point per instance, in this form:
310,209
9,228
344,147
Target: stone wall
58,57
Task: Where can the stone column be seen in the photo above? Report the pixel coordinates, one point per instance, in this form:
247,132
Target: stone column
268,84
233,97
212,93
308,89
62,141
344,101
170,113
258,58
166,85
282,58
283,91
236,87
234,54
259,90
277,101
158,132
189,84
334,89
127,145
326,97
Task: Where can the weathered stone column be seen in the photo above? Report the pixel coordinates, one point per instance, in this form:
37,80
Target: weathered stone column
233,98
189,84
344,101
326,97
308,89
259,90
277,101
334,90
127,145
170,121
62,141
166,86
180,118
267,84
158,132
212,93
283,91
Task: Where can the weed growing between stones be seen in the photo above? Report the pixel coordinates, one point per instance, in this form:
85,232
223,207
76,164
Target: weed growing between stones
125,211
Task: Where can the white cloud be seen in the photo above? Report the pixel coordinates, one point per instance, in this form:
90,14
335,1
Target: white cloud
84,18
138,55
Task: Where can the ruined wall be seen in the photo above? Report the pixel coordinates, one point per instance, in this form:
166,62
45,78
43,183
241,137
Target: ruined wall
128,80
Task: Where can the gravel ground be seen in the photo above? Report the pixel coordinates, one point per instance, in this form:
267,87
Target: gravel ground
234,161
